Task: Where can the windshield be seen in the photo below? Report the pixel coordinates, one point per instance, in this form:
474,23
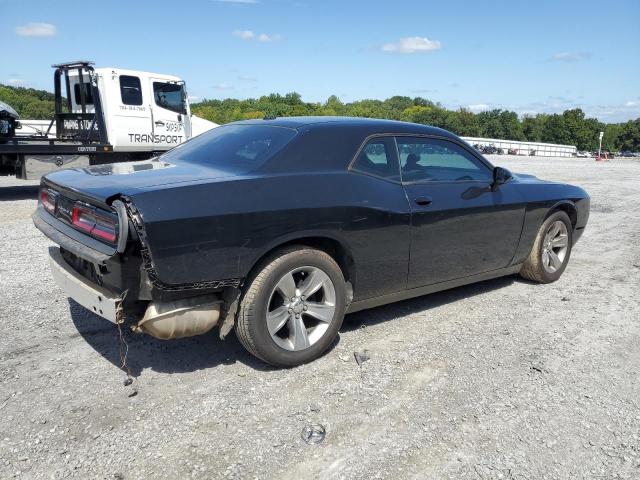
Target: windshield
236,148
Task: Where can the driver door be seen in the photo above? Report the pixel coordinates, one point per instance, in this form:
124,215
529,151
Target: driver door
459,227
170,114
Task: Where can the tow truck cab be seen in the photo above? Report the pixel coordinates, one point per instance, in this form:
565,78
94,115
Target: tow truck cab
142,111
103,115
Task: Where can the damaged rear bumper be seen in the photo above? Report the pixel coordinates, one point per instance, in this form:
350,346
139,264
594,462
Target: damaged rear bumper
164,320
93,297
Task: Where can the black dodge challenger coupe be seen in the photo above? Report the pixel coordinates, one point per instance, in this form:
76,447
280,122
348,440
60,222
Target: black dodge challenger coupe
281,226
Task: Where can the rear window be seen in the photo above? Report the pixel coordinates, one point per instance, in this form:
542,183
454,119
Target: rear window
235,148
86,89
130,90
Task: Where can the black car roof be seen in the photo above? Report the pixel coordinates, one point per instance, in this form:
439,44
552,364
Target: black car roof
371,125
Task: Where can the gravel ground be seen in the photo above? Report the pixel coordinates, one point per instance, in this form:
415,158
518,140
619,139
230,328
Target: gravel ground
502,379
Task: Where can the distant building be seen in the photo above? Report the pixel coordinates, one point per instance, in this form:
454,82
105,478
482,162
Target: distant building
526,148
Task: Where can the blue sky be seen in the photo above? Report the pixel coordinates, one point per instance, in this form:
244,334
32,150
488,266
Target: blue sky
534,56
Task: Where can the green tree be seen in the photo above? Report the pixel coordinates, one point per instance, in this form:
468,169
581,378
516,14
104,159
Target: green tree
572,127
629,136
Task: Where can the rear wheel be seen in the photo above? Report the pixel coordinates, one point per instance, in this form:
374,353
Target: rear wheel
292,307
551,250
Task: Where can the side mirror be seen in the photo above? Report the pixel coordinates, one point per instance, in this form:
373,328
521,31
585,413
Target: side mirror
500,176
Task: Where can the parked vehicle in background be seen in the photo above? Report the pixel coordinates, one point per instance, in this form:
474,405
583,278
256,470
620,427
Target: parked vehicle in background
583,155
626,154
513,151
491,149
282,226
8,120
105,115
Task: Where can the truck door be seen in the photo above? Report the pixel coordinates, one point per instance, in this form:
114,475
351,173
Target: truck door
170,113
129,115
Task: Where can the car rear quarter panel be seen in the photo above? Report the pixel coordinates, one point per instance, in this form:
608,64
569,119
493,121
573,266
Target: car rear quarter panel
215,231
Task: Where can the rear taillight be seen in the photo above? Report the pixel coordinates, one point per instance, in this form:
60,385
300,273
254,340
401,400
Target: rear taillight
96,223
48,200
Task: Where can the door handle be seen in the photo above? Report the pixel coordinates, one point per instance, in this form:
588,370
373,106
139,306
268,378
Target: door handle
423,201
160,123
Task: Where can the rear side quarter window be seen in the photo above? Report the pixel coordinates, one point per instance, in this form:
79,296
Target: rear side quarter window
378,158
86,89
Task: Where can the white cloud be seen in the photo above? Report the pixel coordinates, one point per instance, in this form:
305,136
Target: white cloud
16,82
244,34
479,107
247,78
412,45
263,37
251,35
223,86
36,29
632,103
238,2
570,56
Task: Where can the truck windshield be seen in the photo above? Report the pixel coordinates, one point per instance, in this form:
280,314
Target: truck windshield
239,149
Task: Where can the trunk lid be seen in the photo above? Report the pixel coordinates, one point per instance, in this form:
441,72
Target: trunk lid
100,182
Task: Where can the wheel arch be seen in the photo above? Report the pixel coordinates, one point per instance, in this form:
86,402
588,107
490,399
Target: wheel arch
568,207
331,245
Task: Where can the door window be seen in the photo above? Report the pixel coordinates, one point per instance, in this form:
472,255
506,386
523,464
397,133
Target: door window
170,96
378,158
130,90
430,159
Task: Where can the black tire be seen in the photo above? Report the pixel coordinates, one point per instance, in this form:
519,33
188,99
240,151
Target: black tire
251,322
533,268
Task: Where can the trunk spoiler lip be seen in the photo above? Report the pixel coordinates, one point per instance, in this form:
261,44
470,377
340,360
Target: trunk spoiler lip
74,194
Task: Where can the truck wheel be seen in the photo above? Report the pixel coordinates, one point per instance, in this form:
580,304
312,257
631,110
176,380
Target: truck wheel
292,307
551,250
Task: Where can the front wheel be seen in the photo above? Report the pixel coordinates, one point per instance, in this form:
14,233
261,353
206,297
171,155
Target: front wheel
293,307
551,250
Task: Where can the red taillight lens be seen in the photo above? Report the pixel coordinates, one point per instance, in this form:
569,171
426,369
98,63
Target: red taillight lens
100,225
48,200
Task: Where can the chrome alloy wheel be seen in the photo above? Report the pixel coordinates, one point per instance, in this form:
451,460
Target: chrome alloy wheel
555,246
300,308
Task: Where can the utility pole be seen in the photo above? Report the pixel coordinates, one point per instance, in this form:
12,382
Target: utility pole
600,145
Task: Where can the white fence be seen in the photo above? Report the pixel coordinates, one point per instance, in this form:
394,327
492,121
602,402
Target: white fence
526,148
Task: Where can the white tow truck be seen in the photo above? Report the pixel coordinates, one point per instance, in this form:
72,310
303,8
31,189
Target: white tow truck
106,115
